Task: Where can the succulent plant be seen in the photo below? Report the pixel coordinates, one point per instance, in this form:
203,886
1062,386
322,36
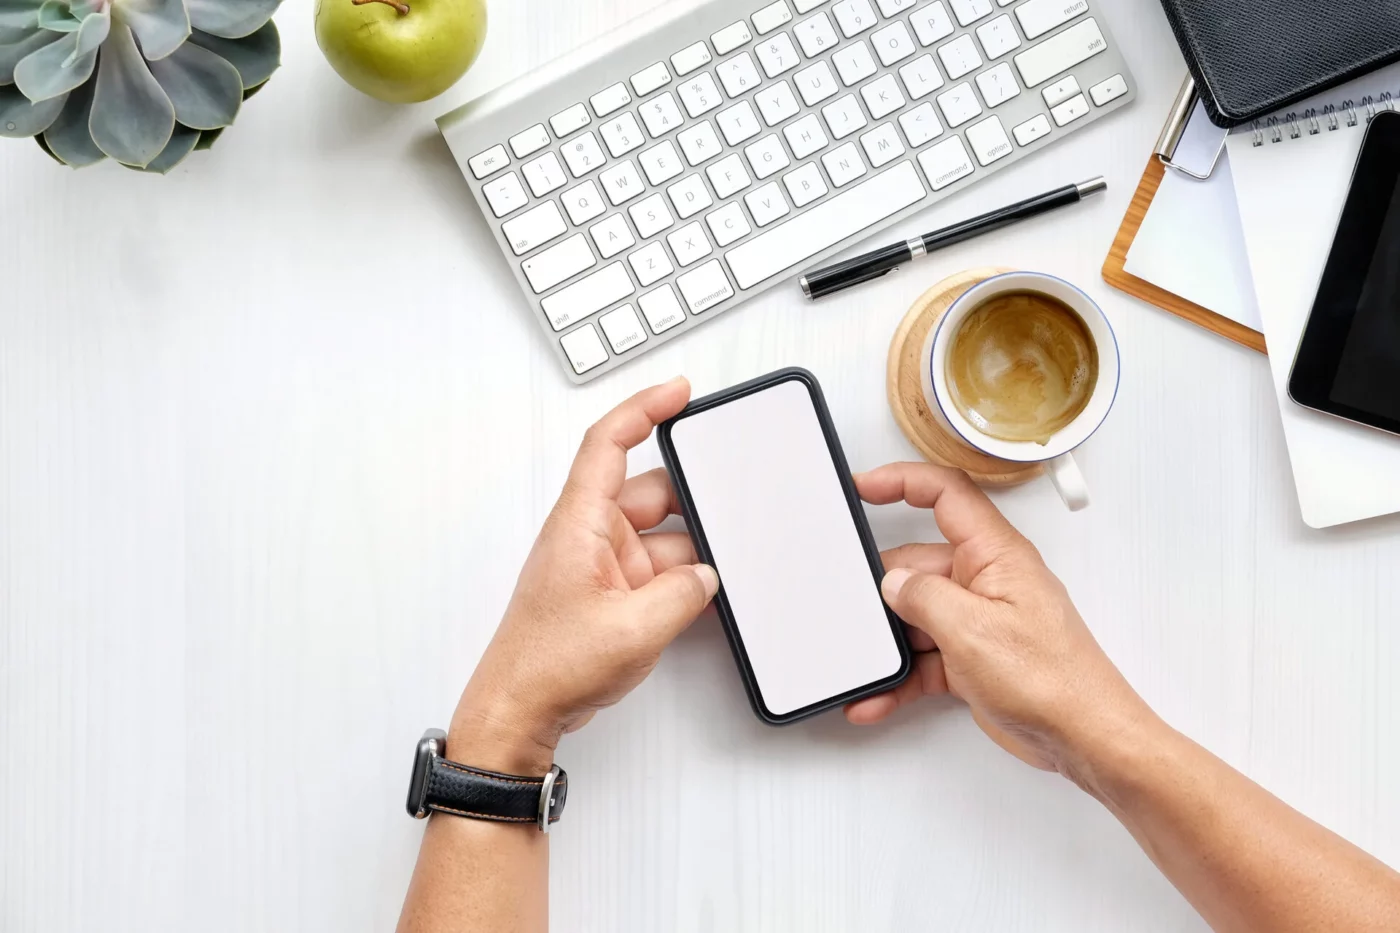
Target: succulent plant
145,82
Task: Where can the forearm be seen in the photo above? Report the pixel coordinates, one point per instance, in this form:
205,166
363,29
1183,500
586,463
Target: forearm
1244,859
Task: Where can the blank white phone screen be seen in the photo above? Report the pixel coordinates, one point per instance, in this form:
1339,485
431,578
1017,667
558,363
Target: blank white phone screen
767,497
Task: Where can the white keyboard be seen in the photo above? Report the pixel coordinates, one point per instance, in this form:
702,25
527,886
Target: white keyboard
697,156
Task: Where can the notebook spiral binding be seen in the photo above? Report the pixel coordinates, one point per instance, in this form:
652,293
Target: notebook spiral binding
1313,121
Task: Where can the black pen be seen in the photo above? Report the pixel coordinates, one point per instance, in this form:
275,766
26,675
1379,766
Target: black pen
872,265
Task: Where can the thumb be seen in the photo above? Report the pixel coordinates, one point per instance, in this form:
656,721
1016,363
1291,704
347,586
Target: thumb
672,600
929,602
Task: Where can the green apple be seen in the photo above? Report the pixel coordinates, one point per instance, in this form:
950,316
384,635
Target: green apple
402,51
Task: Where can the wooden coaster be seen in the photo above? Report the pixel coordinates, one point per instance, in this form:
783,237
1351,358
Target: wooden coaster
905,387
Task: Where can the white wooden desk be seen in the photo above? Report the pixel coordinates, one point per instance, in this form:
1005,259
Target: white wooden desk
276,433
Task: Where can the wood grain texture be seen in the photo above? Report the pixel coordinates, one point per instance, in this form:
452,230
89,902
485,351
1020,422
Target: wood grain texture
1116,275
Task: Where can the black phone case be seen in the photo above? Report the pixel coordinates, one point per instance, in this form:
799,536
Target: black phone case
702,545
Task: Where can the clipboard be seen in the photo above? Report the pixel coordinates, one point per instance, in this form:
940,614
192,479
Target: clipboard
1199,162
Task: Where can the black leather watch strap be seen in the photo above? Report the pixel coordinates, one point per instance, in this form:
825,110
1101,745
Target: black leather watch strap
488,795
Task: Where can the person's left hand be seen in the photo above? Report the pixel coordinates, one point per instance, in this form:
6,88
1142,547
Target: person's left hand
595,604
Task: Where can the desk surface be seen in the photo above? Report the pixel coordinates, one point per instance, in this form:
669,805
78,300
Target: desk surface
276,434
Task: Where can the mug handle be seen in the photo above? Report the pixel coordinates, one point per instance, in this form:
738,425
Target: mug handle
1069,481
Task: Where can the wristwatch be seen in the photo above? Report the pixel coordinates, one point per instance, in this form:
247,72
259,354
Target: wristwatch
450,787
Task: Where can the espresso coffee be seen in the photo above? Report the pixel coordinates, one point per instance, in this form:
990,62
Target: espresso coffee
1022,366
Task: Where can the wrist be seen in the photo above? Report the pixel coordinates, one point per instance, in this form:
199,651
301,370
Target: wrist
490,731
1106,756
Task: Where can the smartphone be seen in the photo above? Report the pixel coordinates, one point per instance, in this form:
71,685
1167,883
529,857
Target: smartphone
766,493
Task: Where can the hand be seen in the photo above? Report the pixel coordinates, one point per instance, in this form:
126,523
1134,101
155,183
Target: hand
595,603
1008,639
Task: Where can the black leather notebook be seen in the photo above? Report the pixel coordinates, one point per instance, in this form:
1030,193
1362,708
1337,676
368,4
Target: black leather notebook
1253,57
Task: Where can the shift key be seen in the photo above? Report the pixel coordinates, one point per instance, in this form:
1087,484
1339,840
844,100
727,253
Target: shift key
1060,52
607,286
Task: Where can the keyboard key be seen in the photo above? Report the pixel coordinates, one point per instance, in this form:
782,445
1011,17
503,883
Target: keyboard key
661,163
609,99
882,145
650,78
1108,91
700,95
960,57
844,116
890,8
622,134
622,328
776,103
931,23
766,156
805,185
771,17
738,123
621,182
661,308
661,115
853,16
484,163
970,11
1033,129
1060,52
988,140
532,140
612,236
998,85
544,174
504,194
921,77
584,349
728,224
959,105
920,125
815,34
689,245
882,96
893,43
805,136
945,163
998,37
704,288
815,84
650,216
583,154
1061,91
689,58
588,295
1070,110
650,264
534,228
806,6
766,204
547,269
569,121
739,75
731,37
690,196
728,176
583,203
843,164
824,225
777,55
853,63
699,142
1040,16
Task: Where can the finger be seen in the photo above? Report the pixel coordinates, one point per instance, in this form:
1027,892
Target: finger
601,464
962,510
924,558
668,549
647,498
919,640
930,602
670,602
927,680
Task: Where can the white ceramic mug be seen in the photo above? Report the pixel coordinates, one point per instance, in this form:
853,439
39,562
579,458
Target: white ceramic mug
1055,455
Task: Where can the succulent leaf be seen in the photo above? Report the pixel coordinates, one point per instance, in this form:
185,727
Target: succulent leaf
21,117
205,89
93,32
182,143
68,139
83,8
54,16
19,14
232,19
15,45
161,26
132,119
256,57
63,65
208,138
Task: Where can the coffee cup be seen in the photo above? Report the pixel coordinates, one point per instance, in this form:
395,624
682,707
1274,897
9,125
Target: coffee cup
1024,367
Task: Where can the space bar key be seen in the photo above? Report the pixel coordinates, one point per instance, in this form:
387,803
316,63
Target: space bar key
825,225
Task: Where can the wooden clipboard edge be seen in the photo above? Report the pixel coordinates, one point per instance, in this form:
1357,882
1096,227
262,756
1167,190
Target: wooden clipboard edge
1114,273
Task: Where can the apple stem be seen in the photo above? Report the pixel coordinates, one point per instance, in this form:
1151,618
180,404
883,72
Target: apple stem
396,4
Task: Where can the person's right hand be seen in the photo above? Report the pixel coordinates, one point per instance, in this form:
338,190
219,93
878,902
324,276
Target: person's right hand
994,626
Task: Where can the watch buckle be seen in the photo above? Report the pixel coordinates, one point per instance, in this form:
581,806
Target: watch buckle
547,797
